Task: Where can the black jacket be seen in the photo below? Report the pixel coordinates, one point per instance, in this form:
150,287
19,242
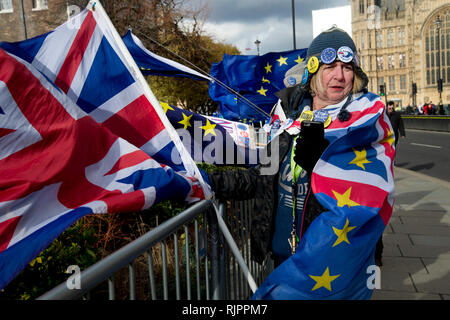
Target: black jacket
251,184
397,125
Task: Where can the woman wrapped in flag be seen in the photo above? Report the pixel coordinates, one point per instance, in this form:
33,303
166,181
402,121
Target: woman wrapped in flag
325,192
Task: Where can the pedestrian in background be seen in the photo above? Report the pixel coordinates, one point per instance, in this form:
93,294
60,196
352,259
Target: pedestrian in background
396,121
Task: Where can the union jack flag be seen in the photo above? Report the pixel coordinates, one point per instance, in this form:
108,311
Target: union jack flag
65,99
87,60
354,181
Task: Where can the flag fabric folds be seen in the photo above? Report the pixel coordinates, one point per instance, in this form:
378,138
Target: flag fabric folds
152,64
209,140
256,78
87,60
354,181
58,164
80,132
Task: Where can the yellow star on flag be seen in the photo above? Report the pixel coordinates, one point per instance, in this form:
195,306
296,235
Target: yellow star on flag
282,61
209,128
166,106
265,80
342,233
186,121
268,68
324,280
344,199
360,158
262,91
390,138
299,60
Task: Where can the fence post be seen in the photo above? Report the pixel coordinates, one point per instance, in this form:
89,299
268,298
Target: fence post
214,240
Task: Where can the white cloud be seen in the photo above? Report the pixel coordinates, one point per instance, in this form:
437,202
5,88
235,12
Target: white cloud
274,34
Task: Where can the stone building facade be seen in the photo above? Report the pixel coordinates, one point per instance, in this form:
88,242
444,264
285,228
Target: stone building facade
402,42
24,19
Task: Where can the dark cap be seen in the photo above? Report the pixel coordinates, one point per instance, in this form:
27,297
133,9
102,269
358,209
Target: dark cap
330,45
332,38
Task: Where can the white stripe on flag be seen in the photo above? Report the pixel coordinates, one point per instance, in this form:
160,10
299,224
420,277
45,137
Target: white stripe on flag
42,208
96,173
85,65
53,47
158,142
116,103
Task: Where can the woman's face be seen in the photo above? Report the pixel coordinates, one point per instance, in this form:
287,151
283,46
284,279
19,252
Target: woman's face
337,82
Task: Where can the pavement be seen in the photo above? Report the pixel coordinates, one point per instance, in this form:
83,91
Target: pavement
416,255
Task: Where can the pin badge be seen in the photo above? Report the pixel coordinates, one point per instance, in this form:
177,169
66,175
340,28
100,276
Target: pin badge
306,115
345,54
305,76
291,80
322,116
328,55
313,64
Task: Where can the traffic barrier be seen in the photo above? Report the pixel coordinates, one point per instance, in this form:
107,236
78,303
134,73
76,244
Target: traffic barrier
427,122
211,257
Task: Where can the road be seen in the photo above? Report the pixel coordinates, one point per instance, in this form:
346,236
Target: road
427,152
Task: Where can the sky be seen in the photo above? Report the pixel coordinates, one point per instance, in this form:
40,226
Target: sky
242,22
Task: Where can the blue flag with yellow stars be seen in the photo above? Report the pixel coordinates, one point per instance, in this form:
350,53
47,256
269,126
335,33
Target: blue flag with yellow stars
208,141
354,181
255,78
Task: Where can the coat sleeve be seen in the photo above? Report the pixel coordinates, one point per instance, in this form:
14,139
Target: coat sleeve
234,184
401,126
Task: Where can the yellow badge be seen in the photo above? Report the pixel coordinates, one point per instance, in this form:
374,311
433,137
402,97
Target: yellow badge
327,122
306,115
313,64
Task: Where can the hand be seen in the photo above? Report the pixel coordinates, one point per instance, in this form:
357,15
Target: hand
308,152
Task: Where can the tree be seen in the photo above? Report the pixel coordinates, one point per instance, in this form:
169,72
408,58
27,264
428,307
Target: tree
172,29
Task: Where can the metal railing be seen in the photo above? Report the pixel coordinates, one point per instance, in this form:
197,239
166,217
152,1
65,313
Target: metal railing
197,254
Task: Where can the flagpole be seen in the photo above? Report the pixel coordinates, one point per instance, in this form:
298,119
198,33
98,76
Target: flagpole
189,163
245,100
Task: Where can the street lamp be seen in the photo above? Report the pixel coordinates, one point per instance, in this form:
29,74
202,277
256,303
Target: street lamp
293,23
257,42
438,44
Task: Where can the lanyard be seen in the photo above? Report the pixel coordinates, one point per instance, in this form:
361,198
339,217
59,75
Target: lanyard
296,171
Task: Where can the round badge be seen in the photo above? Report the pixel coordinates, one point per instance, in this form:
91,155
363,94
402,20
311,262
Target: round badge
306,115
291,80
322,116
345,54
328,55
313,64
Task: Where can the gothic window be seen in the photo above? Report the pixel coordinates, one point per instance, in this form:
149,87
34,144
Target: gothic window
437,47
402,60
391,63
403,82
390,38
380,63
401,37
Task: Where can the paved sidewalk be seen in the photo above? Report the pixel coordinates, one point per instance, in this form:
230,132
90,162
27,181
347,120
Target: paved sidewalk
416,256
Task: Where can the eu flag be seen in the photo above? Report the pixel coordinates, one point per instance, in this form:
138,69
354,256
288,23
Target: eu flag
255,78
152,64
354,182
